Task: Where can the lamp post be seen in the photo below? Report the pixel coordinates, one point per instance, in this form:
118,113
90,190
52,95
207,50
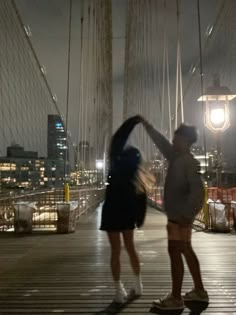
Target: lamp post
217,118
99,170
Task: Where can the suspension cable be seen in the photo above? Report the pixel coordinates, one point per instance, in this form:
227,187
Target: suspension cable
179,85
68,92
201,80
80,84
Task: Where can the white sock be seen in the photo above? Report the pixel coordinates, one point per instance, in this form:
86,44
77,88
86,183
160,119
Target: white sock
120,292
137,279
138,286
118,285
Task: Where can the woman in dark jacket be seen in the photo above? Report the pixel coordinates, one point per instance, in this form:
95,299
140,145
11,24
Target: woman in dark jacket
125,206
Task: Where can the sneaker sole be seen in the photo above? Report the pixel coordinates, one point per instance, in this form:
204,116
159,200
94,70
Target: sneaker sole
156,305
196,300
133,294
120,302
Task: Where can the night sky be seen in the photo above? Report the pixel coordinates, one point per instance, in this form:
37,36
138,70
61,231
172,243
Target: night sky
48,20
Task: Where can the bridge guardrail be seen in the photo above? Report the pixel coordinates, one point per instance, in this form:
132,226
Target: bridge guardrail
45,214
218,213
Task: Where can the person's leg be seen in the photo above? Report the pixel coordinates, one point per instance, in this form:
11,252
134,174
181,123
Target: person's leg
128,237
115,243
192,260
174,300
176,261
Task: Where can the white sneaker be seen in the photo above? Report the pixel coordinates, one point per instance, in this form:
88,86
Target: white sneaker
120,295
137,289
168,303
196,296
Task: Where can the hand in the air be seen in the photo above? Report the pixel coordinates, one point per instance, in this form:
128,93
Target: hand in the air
138,119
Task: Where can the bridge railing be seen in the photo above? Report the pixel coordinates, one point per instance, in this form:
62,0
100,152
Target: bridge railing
218,213
155,197
44,206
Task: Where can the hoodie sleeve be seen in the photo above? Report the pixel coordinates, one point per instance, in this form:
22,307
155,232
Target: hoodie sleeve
120,137
160,141
196,194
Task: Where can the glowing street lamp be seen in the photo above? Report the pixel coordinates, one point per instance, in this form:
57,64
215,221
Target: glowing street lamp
217,100
99,164
217,118
99,170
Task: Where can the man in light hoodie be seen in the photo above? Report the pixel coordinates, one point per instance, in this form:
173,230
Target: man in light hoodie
183,199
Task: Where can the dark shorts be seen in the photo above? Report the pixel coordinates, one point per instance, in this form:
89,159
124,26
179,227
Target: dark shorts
179,232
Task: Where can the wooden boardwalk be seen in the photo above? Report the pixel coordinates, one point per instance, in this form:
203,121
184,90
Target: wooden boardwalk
69,274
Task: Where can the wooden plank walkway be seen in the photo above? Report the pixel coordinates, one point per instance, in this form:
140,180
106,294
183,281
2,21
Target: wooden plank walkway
69,274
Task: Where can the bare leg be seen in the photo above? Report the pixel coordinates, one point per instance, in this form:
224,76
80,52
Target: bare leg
176,261
191,257
128,237
115,242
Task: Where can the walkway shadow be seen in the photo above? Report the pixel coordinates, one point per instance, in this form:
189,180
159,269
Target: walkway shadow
196,308
114,308
29,235
155,310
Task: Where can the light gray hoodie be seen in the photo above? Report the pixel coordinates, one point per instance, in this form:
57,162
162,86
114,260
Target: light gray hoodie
184,189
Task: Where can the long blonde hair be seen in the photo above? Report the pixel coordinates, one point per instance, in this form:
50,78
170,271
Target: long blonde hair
144,179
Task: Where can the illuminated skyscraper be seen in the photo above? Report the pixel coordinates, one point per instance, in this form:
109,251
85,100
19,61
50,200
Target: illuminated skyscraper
56,138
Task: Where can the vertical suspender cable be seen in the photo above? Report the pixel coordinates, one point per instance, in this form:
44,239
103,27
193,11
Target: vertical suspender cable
179,87
127,60
80,83
177,71
87,145
163,78
176,96
201,79
83,83
156,58
93,87
68,94
168,92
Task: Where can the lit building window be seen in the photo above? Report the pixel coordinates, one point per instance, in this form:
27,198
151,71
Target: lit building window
24,168
7,167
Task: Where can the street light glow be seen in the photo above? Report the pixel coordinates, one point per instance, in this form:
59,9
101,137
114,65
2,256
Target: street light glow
217,116
99,164
216,100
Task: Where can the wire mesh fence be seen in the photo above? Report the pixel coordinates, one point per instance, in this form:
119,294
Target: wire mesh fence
218,213
40,210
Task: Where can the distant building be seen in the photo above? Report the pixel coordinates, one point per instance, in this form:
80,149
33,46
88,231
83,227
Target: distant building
17,151
57,144
204,160
197,150
54,172
23,169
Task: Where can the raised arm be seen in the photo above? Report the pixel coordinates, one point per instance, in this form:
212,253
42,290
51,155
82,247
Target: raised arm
120,137
160,141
